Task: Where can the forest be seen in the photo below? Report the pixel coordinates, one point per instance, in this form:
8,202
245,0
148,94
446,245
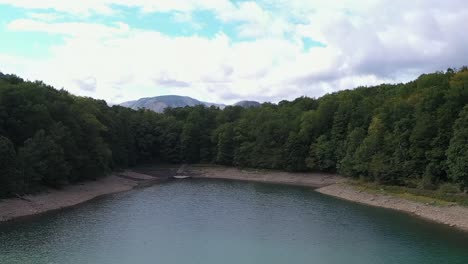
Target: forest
413,134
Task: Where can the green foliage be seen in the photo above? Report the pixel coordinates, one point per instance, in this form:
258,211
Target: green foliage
348,165
224,140
457,153
321,155
449,188
42,160
369,155
412,134
294,152
9,174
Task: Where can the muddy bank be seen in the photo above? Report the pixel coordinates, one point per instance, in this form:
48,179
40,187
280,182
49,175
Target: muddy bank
333,185
455,216
315,180
71,195
452,215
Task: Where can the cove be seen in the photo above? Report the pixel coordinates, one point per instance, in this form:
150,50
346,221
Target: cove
218,221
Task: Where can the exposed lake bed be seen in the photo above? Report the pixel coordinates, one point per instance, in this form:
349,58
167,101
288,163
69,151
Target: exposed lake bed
214,221
333,185
328,184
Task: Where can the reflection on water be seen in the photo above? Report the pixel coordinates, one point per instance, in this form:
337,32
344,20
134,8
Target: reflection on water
211,221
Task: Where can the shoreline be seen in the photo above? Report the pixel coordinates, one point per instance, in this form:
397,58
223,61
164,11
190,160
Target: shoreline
455,216
314,180
71,195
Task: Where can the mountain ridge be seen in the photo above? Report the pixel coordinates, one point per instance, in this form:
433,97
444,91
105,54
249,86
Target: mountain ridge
159,103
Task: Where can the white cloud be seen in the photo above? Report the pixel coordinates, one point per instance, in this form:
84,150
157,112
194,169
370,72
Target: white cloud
106,6
69,6
148,59
78,29
367,43
44,16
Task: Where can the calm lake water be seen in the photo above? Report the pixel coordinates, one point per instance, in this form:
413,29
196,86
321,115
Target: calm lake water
214,221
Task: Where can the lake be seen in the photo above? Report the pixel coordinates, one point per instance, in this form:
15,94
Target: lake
216,221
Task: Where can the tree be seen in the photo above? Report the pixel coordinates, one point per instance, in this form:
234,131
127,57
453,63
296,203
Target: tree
189,141
348,163
458,92
404,134
457,153
43,161
295,153
9,174
366,164
93,157
225,144
169,143
339,129
321,155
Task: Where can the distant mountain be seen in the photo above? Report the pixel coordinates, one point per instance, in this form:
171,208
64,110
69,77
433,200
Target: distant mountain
247,104
159,103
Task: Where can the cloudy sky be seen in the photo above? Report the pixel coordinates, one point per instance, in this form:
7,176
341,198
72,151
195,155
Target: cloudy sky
224,51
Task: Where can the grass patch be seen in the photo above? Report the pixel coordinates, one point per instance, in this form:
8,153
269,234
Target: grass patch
438,198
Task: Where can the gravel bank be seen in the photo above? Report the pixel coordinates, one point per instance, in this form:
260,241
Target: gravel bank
69,196
315,180
333,185
455,216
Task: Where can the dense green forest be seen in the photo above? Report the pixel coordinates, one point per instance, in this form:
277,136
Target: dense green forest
413,134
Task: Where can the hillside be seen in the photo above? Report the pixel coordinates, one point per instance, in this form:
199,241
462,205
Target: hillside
247,104
413,134
159,103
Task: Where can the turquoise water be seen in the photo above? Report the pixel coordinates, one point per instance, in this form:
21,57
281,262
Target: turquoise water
214,221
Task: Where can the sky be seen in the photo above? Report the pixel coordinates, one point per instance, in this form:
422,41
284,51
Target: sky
228,50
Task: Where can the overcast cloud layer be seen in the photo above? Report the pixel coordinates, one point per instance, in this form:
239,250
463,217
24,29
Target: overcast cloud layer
224,51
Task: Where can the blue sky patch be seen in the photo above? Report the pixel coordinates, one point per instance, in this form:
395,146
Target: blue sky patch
22,43
203,23
310,43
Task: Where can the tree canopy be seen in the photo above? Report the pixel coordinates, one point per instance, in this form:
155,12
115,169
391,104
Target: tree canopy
401,134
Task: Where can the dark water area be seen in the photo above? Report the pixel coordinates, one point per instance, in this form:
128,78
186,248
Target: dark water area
215,221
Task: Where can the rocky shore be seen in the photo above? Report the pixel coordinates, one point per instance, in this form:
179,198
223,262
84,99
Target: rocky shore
314,180
333,185
328,184
452,215
72,195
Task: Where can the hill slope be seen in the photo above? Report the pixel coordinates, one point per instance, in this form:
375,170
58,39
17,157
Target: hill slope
247,104
159,103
